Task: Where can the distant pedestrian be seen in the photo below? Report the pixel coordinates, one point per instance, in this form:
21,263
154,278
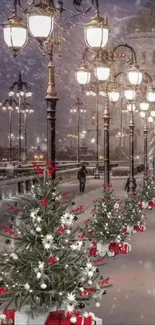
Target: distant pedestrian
127,185
82,173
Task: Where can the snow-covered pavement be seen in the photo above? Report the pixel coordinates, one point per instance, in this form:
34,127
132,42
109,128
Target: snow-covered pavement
131,300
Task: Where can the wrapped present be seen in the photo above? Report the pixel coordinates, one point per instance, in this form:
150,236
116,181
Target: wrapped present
61,318
12,317
128,230
103,249
151,205
23,317
145,204
93,249
120,248
138,228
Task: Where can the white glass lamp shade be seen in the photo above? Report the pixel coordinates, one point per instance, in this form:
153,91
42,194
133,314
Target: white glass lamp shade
22,93
96,33
134,76
102,93
11,93
40,25
150,119
83,75
130,94
4,108
10,108
142,114
15,34
144,106
102,73
131,107
113,96
150,96
153,113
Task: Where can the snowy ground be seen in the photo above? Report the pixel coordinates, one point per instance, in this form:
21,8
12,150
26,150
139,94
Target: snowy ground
131,300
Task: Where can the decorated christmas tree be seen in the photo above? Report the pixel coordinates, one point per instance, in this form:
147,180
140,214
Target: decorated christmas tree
147,191
106,223
132,212
48,264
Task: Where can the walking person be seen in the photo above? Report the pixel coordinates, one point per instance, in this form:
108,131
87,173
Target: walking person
82,173
127,185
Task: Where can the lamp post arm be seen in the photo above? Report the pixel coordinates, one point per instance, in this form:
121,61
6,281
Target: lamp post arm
16,4
133,58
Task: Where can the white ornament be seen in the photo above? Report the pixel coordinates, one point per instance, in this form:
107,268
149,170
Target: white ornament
26,286
2,317
41,265
38,275
38,229
90,282
43,286
85,314
68,231
97,304
73,320
14,256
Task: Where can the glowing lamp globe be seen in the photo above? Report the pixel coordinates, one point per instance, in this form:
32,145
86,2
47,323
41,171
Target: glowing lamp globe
83,75
150,95
15,34
153,113
96,32
150,119
102,72
134,76
142,114
144,106
130,94
113,96
40,25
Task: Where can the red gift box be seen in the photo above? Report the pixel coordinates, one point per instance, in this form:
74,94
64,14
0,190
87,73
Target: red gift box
59,318
139,228
93,249
120,248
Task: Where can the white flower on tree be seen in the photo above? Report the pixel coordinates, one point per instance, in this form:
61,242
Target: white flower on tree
47,241
67,219
77,245
41,265
33,213
14,256
71,297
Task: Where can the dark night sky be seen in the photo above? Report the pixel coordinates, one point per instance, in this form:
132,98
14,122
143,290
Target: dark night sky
34,66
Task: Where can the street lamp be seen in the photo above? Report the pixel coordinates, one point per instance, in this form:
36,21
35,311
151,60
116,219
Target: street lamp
15,32
96,32
79,109
10,105
21,90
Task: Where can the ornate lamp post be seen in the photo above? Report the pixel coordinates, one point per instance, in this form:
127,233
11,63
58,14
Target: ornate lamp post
78,109
22,90
26,108
103,64
152,119
10,105
147,97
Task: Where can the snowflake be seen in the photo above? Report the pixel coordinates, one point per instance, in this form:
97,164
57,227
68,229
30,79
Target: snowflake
67,219
71,297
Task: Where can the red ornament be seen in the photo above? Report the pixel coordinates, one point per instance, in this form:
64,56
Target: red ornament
105,281
7,230
61,230
12,208
51,260
2,290
44,201
39,170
